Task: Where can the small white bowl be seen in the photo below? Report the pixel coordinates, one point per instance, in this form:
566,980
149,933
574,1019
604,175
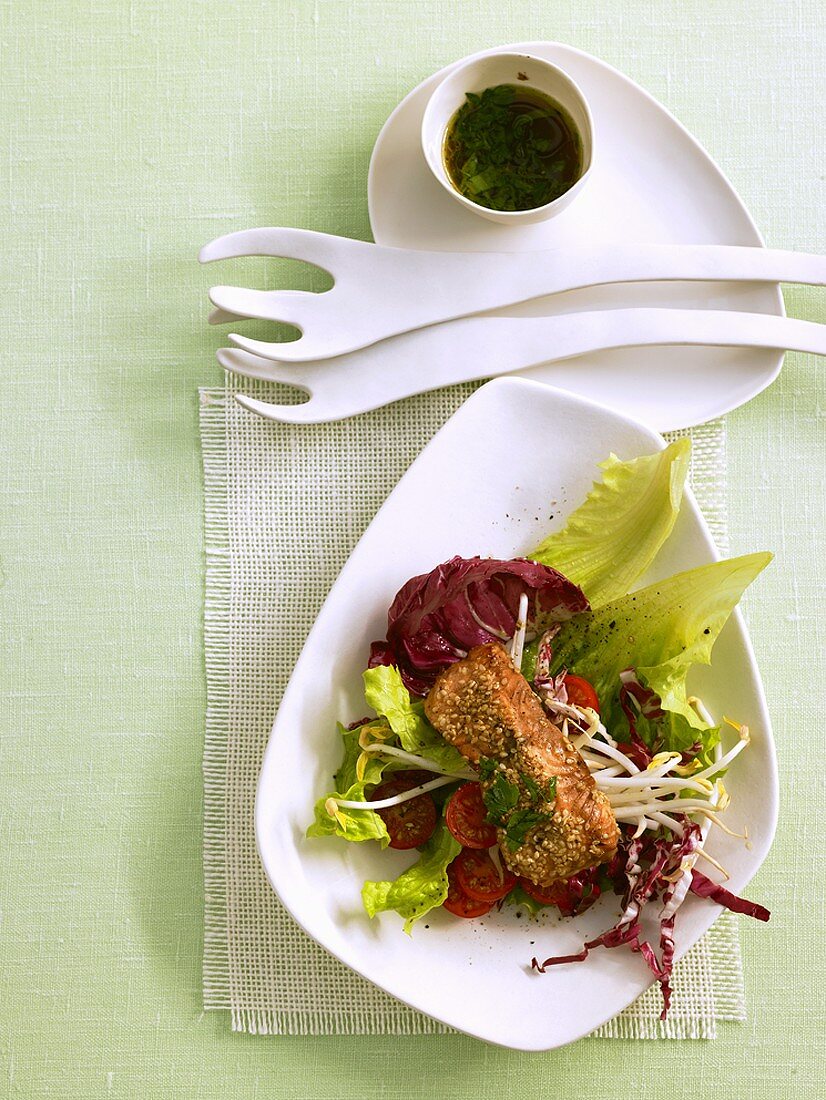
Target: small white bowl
523,70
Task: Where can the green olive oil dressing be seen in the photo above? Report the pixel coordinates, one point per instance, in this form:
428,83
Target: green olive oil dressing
512,148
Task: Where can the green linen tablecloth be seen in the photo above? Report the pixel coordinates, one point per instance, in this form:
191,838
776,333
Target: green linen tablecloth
132,133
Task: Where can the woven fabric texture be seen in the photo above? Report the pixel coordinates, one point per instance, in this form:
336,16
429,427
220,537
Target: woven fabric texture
284,505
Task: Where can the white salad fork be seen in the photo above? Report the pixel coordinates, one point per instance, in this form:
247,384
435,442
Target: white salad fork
482,347
380,292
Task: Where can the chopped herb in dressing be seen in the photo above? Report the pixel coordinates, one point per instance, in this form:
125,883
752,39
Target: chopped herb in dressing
512,148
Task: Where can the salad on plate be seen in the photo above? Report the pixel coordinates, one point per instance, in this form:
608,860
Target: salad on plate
532,735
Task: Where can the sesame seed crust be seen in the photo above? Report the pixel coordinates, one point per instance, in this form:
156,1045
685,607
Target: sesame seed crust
485,708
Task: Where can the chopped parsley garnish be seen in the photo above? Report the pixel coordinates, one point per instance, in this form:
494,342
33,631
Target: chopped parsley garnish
532,787
500,798
486,767
535,791
520,824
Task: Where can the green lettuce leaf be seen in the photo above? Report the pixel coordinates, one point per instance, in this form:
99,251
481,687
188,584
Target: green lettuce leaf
615,534
345,777
387,695
355,825
660,631
421,887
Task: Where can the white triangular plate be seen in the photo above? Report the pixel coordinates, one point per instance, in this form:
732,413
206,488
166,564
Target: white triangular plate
516,453
651,182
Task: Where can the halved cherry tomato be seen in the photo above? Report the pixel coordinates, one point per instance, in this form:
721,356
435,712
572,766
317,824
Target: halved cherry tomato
581,693
479,876
458,902
411,823
554,894
465,817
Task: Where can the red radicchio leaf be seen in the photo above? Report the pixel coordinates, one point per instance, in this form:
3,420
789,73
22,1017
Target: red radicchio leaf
544,656
578,893
664,857
437,617
703,887
636,699
358,724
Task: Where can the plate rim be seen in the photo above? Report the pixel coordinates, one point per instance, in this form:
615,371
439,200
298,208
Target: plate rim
484,393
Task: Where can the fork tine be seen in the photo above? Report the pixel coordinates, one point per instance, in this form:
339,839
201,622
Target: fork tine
252,366
292,351
268,305
289,244
221,317
306,413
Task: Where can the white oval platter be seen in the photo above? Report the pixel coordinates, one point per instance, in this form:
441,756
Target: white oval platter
484,485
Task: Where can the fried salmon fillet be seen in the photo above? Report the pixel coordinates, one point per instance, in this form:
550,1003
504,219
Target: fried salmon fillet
487,709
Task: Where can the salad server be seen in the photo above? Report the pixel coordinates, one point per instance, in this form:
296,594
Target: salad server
380,292
482,347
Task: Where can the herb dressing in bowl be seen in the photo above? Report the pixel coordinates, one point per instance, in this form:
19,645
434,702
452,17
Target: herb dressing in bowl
509,136
512,148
